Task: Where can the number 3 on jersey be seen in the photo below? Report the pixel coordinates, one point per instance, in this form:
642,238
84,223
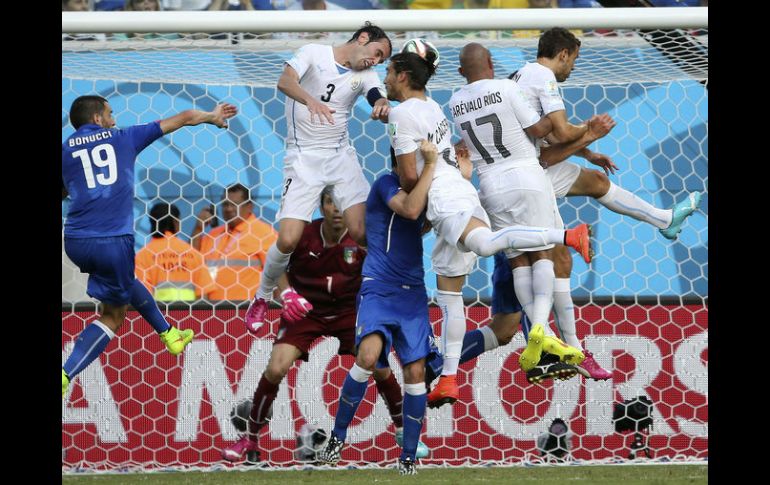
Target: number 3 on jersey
102,156
326,97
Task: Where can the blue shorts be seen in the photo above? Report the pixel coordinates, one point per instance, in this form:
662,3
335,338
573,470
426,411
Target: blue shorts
503,295
109,262
400,315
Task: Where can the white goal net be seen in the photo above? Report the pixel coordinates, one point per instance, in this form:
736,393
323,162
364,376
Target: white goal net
641,305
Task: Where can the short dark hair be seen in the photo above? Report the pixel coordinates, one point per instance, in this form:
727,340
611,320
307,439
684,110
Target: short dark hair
163,217
375,34
84,108
418,70
326,191
555,40
242,189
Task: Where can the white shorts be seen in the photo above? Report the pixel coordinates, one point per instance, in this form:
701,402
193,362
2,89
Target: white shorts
452,201
306,173
562,176
447,260
518,196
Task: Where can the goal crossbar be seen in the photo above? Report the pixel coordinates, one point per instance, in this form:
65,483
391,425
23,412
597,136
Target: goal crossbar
350,20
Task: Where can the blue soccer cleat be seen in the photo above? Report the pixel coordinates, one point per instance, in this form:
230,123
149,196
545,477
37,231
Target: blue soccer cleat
679,213
422,449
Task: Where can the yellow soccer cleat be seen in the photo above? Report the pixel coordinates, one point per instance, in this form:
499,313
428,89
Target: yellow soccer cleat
566,353
65,383
531,355
176,340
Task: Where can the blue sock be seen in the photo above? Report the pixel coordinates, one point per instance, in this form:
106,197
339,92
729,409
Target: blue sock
473,346
434,364
526,325
350,397
90,343
144,303
414,413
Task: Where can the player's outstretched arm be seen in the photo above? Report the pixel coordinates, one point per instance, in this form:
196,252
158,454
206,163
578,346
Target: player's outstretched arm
410,205
563,130
289,85
193,117
599,126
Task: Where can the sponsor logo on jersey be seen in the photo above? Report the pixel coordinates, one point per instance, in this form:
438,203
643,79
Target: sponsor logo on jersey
551,88
350,255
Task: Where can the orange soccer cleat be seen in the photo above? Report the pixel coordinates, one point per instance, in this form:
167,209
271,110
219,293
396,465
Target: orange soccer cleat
445,392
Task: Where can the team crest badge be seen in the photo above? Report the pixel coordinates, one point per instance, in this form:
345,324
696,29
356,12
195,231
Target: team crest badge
350,255
355,83
392,129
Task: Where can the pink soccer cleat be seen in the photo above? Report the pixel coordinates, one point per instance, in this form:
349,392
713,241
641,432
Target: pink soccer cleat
241,447
590,369
255,315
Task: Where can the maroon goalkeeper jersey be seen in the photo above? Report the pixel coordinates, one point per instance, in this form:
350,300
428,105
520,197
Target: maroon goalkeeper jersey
329,278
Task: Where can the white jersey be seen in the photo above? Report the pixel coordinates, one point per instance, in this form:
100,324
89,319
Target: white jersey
540,85
337,86
415,120
491,115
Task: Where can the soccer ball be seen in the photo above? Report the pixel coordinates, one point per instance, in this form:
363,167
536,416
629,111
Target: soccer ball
239,415
421,48
311,440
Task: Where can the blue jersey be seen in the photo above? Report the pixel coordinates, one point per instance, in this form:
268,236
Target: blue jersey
98,169
394,243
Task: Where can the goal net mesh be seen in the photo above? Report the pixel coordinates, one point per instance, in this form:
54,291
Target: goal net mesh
641,306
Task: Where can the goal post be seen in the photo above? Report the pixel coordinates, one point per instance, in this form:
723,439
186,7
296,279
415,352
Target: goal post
641,306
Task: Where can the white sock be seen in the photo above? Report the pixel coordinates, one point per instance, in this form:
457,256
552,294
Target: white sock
484,242
619,200
359,374
542,290
490,339
415,389
522,285
275,265
452,329
107,330
565,312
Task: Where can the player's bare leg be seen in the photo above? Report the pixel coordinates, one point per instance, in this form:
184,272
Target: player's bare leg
354,217
596,184
276,261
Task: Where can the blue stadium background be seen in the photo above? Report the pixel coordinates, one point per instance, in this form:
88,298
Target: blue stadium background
660,144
